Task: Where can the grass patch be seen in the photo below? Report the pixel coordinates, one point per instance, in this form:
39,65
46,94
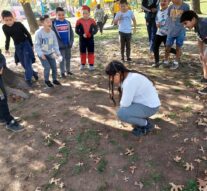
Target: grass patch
104,187
172,115
191,185
102,165
187,109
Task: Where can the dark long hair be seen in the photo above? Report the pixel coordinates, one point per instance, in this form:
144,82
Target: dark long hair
117,67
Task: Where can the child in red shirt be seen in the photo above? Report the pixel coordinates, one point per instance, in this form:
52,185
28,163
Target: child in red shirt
86,28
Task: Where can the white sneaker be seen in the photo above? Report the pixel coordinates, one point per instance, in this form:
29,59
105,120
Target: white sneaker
166,64
82,67
175,65
91,68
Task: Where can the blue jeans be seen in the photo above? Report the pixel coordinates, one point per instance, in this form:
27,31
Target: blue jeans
136,114
25,54
151,29
65,64
48,64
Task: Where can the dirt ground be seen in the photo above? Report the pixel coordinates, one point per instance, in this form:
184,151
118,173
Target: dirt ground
73,141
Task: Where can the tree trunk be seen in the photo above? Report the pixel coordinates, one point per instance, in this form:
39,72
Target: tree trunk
30,17
196,6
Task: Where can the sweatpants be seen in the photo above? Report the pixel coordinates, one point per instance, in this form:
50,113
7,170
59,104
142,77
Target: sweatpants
125,41
65,64
136,114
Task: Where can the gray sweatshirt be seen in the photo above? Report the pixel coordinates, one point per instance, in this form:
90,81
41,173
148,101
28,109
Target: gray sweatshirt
45,43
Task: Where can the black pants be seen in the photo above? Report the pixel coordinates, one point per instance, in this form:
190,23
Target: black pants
4,109
125,41
100,26
158,41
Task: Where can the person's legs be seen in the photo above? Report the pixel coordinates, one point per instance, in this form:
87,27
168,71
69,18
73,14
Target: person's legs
204,63
136,114
82,44
128,46
68,58
158,40
62,64
91,57
179,43
172,50
46,67
4,111
153,33
53,66
101,27
122,44
169,44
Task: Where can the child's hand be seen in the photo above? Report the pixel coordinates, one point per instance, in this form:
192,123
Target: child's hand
153,10
158,25
84,35
1,71
7,52
43,57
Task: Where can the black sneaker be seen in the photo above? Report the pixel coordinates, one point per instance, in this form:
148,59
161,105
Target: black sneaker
14,126
122,59
56,83
63,75
203,80
29,83
2,122
137,131
49,84
70,73
156,65
203,91
146,129
35,75
129,60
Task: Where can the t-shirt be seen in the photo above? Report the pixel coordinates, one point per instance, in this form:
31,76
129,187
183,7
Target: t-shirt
63,30
137,88
201,29
125,22
99,15
161,19
174,25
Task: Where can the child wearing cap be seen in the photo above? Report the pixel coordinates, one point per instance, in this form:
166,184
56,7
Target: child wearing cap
86,28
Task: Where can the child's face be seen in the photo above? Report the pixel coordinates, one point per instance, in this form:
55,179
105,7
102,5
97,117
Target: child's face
9,21
177,2
124,7
47,23
189,24
86,14
116,78
60,15
164,4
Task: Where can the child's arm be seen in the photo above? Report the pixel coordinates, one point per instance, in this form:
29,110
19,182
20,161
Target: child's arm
7,42
135,24
27,34
93,28
71,36
79,29
56,46
117,18
37,46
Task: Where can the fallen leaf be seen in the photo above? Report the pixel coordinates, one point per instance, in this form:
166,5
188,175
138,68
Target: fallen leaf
185,140
126,179
197,160
55,181
202,149
56,166
175,187
140,184
202,184
175,135
204,158
177,159
79,164
181,150
129,151
38,189
61,185
132,168
188,166
195,140
97,160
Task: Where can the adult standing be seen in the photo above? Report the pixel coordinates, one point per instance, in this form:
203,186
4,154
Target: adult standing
150,8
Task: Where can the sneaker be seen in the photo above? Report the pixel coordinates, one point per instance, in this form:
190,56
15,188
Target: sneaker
156,65
137,131
49,84
70,73
203,91
29,83
35,75
56,83
122,59
129,60
2,122
174,65
166,64
14,126
63,75
146,129
91,67
203,80
82,67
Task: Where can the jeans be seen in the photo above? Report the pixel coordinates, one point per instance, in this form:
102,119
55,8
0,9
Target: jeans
158,40
25,55
48,64
151,29
65,64
125,40
136,114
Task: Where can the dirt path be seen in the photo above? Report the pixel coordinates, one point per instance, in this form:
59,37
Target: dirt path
72,134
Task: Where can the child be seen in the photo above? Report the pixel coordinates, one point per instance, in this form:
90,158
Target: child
86,28
65,37
176,31
191,20
5,116
138,96
124,18
22,42
150,8
161,36
47,49
99,17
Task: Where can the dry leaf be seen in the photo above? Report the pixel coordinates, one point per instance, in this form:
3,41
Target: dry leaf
126,179
197,160
175,135
195,140
185,140
202,149
188,166
132,168
181,150
38,189
177,159
175,187
55,181
71,131
129,151
204,158
97,160
202,184
79,164
140,184
56,166
61,185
